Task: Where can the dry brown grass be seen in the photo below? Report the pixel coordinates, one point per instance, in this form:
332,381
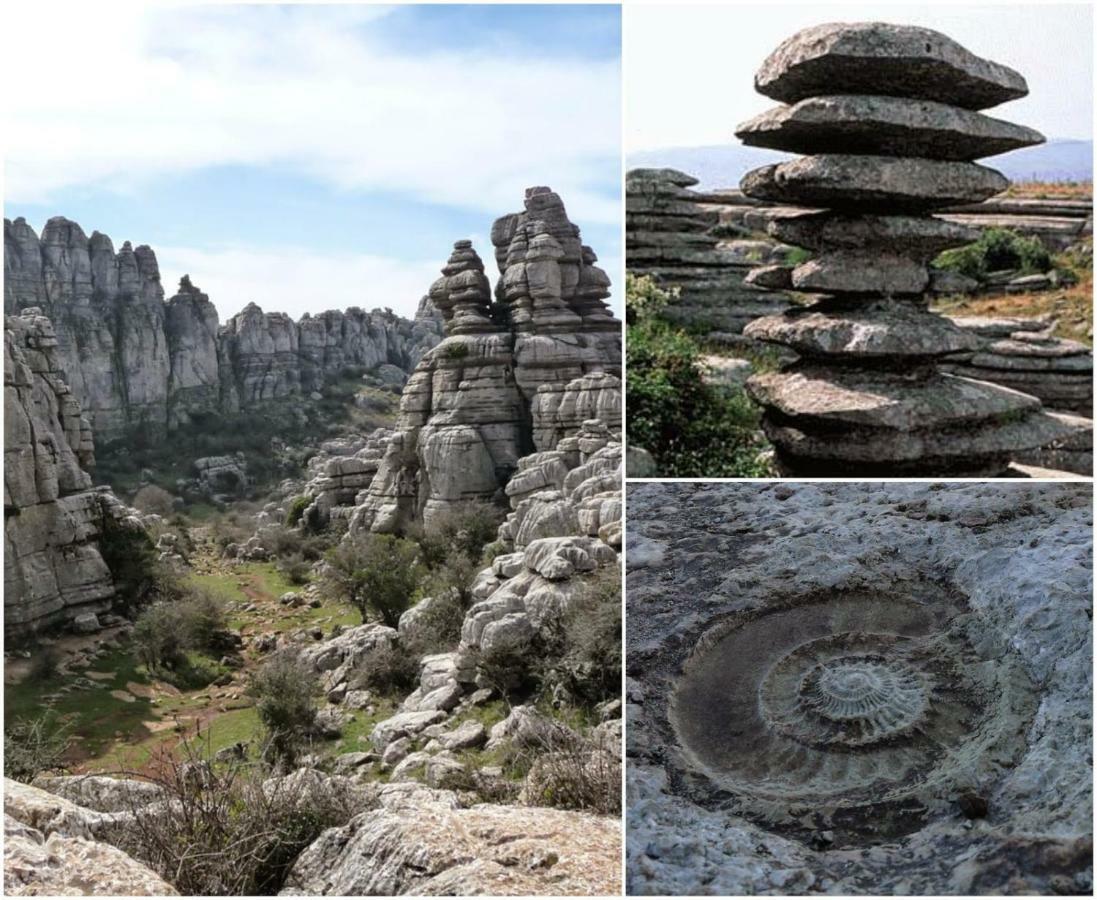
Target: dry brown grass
1072,308
1051,190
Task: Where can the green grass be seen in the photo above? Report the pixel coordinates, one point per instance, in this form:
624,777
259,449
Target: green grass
362,726
97,719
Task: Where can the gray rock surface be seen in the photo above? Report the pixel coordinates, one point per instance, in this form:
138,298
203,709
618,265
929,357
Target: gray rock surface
888,126
136,362
864,396
513,376
1010,568
53,570
674,240
885,59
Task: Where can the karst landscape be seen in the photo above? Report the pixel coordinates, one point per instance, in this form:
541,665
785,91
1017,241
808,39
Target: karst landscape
318,607
882,305
904,684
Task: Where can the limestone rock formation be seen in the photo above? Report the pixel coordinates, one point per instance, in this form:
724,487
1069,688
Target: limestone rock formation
674,240
422,843
865,395
48,851
511,377
905,673
53,571
136,362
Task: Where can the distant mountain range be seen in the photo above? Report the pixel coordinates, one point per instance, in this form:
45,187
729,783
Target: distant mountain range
722,166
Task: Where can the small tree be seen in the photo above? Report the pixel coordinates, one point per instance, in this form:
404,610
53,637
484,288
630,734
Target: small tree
376,573
283,688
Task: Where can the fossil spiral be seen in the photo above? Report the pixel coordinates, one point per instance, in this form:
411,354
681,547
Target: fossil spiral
855,712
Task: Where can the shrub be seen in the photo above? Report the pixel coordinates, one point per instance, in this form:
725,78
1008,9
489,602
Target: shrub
294,568
284,688
692,429
995,250
375,573
44,664
155,500
166,630
452,577
229,832
575,772
644,299
455,351
388,669
462,528
158,636
131,557
296,510
589,667
33,747
437,623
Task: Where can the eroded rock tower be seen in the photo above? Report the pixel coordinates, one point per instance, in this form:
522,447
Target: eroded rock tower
888,117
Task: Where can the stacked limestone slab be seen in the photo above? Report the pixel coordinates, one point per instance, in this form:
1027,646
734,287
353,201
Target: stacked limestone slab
670,237
888,116
518,371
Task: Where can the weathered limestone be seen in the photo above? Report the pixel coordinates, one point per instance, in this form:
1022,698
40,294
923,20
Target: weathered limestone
53,571
511,377
865,395
887,60
674,240
136,362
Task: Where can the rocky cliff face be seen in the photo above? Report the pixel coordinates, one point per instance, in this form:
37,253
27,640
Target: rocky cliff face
53,570
135,361
511,377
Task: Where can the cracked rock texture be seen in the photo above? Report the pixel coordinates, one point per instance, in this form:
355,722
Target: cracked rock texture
514,375
879,616
53,517
137,361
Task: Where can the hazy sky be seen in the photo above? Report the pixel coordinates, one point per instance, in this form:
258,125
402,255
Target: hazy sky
311,157
689,70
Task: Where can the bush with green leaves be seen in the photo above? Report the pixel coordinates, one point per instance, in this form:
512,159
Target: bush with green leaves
378,574
589,666
295,568
165,631
296,509
460,529
996,249
132,559
644,299
284,688
34,747
692,429
388,669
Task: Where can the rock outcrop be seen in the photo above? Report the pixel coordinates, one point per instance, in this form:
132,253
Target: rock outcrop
422,843
866,395
682,245
512,376
50,851
53,517
136,362
980,785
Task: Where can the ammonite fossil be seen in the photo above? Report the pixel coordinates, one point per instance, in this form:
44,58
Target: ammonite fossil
856,713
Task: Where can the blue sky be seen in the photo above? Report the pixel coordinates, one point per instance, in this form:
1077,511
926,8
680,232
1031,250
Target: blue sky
313,157
703,85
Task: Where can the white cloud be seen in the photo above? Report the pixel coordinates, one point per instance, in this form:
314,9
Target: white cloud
297,281
690,68
111,98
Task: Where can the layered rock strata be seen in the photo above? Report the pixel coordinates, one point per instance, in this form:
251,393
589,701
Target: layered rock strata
136,361
53,517
866,395
680,244
515,373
